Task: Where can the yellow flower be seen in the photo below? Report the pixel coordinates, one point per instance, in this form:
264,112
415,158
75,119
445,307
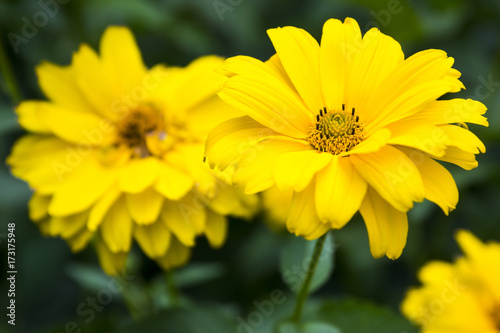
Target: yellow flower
461,297
117,153
348,125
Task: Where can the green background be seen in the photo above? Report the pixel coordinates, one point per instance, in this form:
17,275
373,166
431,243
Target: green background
218,287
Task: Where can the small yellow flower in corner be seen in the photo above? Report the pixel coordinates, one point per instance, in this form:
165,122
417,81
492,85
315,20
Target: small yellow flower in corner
459,297
116,153
347,125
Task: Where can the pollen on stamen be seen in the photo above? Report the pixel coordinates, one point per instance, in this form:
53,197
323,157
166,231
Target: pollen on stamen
335,131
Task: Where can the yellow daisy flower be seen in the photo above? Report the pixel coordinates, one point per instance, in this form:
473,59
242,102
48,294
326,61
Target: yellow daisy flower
117,153
459,297
348,125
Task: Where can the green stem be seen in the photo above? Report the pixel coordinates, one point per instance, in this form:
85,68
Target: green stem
10,79
128,299
173,292
304,291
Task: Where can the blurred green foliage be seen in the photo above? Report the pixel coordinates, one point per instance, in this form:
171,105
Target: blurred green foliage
219,287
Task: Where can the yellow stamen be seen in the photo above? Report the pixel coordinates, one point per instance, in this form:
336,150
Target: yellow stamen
336,132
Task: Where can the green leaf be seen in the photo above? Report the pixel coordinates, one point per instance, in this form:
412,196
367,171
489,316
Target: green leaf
309,327
295,259
198,273
202,319
354,316
89,277
342,316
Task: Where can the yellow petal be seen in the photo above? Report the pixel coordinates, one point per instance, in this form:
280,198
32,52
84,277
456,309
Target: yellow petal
116,228
101,207
371,144
463,159
138,174
248,66
456,110
299,53
154,238
276,67
38,205
216,230
409,101
370,62
339,192
195,83
204,117
177,255
337,41
144,207
421,78
276,205
296,169
255,172
112,263
58,84
172,183
393,175
233,138
422,136
439,184
27,113
119,51
483,259
270,102
180,218
302,218
387,227
463,139
88,182
43,161
98,85
265,76
68,226
78,241
230,201
44,226
188,157
79,127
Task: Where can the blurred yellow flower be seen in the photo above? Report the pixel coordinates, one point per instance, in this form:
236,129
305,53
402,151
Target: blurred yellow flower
348,125
461,297
117,152
276,204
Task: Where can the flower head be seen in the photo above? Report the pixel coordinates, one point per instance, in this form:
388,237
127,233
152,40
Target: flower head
116,153
459,297
348,125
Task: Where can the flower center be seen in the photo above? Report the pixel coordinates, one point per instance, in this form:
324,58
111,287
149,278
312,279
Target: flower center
336,131
137,125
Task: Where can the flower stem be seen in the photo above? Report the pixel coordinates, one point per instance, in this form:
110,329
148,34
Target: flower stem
128,300
173,293
9,77
304,291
